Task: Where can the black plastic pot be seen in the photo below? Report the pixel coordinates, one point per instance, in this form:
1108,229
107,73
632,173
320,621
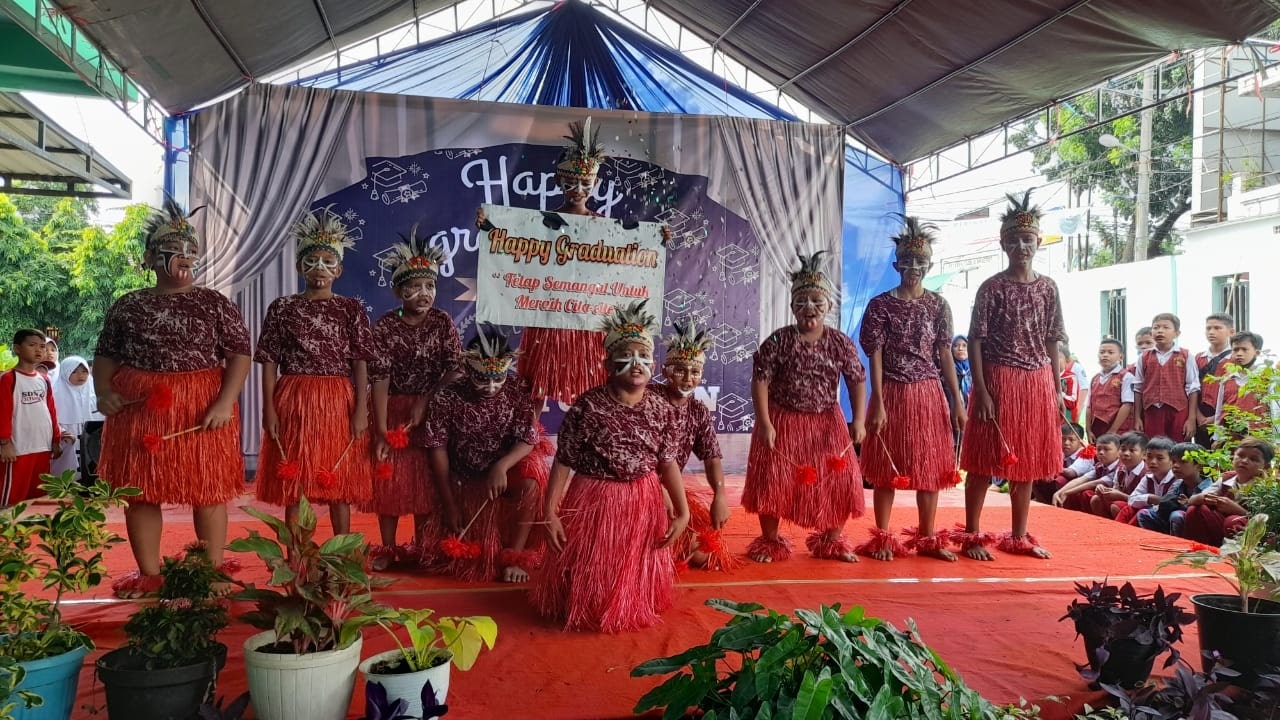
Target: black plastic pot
135,693
1249,641
1128,665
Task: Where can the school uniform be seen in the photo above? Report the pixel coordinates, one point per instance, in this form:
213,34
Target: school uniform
1166,381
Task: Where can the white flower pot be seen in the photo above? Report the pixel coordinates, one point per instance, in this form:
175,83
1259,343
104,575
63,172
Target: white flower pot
408,686
315,686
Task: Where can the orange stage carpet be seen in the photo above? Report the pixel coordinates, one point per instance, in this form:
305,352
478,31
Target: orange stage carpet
996,623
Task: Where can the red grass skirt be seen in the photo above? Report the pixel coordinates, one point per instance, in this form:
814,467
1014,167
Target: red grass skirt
494,524
917,438
808,447
409,491
1028,426
315,428
611,576
201,469
562,364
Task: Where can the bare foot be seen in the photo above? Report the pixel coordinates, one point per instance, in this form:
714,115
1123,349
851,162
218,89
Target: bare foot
977,552
1041,553
883,554
850,557
514,574
940,553
761,558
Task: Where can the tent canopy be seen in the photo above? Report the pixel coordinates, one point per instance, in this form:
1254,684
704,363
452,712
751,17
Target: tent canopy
906,77
33,148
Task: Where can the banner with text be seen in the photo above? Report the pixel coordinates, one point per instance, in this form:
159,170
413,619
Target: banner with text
555,270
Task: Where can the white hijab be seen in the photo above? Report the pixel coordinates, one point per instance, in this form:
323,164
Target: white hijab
76,405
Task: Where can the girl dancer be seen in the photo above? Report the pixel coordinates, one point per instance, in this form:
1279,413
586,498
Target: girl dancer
169,365
611,567
418,348
490,462
315,413
910,443
1013,345
802,465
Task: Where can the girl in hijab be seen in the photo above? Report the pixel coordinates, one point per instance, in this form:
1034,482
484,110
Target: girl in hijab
74,399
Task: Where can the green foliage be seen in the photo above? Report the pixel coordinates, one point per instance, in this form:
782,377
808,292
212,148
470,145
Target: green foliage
63,271
11,676
325,595
1254,567
182,626
63,552
7,358
821,665
433,642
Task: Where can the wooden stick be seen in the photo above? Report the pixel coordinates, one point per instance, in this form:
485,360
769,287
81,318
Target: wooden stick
343,456
171,436
280,447
474,518
1146,546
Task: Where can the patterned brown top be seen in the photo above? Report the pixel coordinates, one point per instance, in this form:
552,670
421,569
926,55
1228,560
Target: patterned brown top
315,337
176,332
477,431
1016,320
415,358
602,438
697,434
805,377
908,333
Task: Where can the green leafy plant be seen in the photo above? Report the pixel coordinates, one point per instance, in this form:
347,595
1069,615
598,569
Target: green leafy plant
1262,497
11,676
820,664
436,641
1254,567
61,551
182,626
325,596
7,358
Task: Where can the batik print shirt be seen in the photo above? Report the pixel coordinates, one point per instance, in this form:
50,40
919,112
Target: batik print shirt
315,337
602,438
173,332
414,357
805,377
477,431
907,333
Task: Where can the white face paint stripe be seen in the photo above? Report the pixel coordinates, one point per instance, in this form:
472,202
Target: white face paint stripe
625,364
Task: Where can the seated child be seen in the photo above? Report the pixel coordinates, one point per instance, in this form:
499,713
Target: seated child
1166,516
1074,464
1158,481
1215,514
1111,499
1077,493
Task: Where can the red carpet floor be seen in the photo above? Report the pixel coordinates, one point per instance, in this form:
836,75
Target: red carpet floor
996,623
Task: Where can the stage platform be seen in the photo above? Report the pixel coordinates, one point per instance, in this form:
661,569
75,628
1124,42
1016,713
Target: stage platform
995,622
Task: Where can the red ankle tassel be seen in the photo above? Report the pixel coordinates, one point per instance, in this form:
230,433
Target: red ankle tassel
527,560
926,543
711,542
820,547
882,540
1017,544
967,540
776,550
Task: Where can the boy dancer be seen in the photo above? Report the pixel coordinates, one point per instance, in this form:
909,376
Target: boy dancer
1166,389
29,433
1218,329
1110,393
1013,338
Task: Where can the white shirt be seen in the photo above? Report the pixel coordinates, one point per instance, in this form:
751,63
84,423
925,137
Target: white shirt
1240,377
1078,464
1108,473
32,422
1150,486
1191,382
1126,383
1121,477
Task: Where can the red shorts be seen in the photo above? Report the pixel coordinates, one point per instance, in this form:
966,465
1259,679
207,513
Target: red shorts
21,479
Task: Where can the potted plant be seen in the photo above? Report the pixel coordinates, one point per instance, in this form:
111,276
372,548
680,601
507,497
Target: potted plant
823,663
304,665
62,551
234,711
418,673
1124,632
172,658
1241,627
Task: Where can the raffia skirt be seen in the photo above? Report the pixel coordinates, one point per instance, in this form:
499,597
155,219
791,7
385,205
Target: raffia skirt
916,441
1024,442
201,468
611,576
562,364
315,432
811,475
408,491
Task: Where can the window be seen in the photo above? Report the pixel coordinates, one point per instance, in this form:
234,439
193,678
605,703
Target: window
1231,296
1114,309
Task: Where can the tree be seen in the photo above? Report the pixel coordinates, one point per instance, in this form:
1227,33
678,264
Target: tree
36,210
1087,164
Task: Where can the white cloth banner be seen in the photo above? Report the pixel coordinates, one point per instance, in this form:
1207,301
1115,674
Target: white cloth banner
531,274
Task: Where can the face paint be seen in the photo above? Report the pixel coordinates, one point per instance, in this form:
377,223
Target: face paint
314,262
633,359
808,303
168,253
487,386
918,264
577,184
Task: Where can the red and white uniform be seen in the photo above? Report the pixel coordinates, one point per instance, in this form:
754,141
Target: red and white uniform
1166,381
29,421
1108,392
1230,394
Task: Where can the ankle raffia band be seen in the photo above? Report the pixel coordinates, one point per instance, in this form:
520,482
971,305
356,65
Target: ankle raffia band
831,549
526,560
927,544
1018,544
881,541
966,540
776,550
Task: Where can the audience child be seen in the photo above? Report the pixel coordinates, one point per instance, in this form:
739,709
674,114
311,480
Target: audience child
73,397
1014,335
1112,500
29,434
1218,330
1167,386
1074,385
1111,393
964,378
1143,340
1078,493
1157,483
1077,460
1216,514
1233,390
49,364
1166,516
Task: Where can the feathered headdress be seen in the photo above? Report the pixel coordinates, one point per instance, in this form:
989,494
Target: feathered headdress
688,345
413,259
916,238
810,275
488,354
630,324
321,229
1020,216
171,221
585,154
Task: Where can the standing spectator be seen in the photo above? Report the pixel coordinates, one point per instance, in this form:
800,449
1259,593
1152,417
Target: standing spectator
29,435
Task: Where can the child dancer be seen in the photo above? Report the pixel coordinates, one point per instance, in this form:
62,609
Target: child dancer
171,358
910,441
489,461
1110,393
1167,386
701,544
801,466
611,568
1216,513
418,348
29,431
315,413
1013,339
